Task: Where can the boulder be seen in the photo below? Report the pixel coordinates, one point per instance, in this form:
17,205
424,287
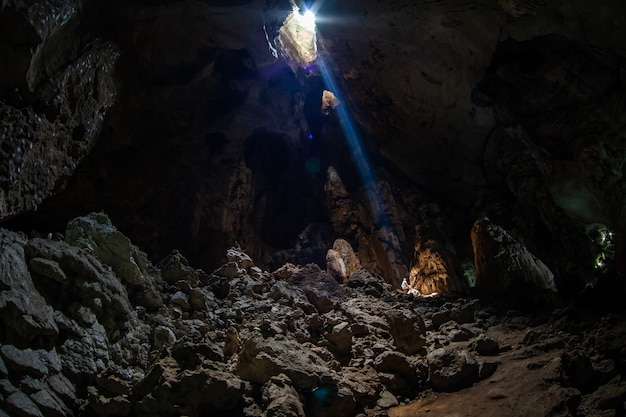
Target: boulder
320,288
408,330
262,358
506,272
280,399
451,369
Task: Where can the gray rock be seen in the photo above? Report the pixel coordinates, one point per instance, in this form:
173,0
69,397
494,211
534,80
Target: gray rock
63,388
47,268
20,405
23,310
3,368
238,256
175,267
181,300
6,387
50,404
163,336
98,236
24,361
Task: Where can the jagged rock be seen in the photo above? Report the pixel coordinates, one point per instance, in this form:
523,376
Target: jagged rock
24,310
395,362
47,268
98,236
451,369
280,399
459,313
6,387
608,396
408,330
363,382
286,271
103,406
63,388
3,368
21,405
74,82
50,404
26,361
366,281
260,359
241,258
181,300
321,289
577,370
505,269
96,287
209,388
366,311
175,267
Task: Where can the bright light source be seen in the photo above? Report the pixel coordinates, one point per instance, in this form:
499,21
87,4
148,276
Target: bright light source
308,20
296,38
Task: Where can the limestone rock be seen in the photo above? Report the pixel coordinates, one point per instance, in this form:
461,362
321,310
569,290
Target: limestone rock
340,338
26,361
21,405
505,270
407,329
451,369
24,310
435,268
321,290
97,235
262,358
50,404
350,259
280,399
335,266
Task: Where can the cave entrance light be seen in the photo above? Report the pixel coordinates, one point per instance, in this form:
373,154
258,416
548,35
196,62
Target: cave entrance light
297,39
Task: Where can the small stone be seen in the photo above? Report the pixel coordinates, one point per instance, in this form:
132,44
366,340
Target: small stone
496,394
163,336
63,388
387,400
180,299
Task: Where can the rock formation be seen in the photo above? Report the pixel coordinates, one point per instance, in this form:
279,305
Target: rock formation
80,337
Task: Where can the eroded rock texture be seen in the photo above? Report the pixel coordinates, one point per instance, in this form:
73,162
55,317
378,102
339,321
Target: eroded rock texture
78,340
56,88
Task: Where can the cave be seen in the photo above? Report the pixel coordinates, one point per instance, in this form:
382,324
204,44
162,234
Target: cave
312,208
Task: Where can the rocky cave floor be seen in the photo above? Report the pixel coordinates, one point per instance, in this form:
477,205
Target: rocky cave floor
90,327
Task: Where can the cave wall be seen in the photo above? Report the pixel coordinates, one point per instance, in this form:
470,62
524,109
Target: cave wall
176,119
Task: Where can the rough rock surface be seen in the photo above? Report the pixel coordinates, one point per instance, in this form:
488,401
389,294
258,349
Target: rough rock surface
74,343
